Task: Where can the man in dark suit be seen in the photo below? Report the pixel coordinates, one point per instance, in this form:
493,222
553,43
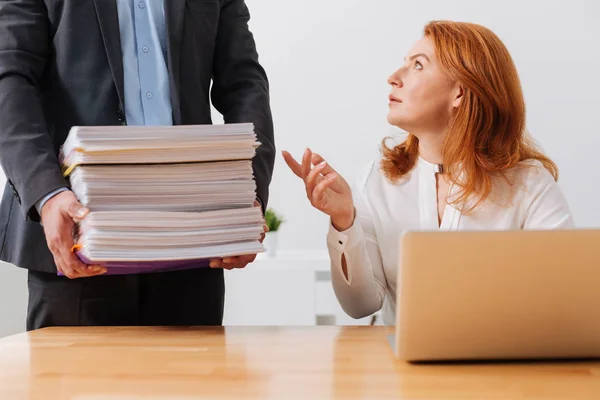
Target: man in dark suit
108,62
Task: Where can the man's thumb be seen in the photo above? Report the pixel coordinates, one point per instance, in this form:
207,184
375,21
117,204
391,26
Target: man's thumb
77,211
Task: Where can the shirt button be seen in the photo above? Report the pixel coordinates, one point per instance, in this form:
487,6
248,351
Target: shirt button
145,49
148,95
141,4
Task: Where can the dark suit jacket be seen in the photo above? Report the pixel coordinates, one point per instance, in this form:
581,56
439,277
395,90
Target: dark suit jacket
61,65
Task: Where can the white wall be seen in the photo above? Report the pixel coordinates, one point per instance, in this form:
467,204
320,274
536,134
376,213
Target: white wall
328,62
13,299
13,293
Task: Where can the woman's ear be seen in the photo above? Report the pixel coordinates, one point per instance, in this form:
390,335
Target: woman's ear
457,95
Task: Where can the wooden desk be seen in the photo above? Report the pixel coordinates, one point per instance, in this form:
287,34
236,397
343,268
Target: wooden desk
262,362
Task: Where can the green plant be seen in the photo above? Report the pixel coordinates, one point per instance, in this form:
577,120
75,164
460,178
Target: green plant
273,220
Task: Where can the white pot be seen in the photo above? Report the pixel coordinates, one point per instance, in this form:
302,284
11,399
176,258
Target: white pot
270,243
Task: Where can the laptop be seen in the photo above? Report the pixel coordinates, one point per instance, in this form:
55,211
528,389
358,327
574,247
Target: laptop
498,295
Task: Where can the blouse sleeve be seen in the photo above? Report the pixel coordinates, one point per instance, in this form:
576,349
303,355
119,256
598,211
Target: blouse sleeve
547,207
362,292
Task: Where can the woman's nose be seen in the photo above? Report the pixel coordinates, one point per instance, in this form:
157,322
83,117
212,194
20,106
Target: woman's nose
394,79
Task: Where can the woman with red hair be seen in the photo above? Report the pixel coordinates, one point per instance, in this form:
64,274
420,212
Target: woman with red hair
467,164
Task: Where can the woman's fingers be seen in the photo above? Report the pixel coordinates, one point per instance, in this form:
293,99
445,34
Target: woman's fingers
339,185
292,163
306,166
313,178
318,193
317,159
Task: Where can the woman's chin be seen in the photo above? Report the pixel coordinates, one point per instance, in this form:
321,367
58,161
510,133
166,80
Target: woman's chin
395,120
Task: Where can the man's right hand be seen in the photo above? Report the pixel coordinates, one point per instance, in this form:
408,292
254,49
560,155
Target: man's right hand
59,215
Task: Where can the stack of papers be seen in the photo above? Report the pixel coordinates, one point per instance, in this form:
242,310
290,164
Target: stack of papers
163,198
157,144
165,187
128,242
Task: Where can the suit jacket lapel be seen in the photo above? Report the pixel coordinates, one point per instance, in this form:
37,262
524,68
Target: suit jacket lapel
174,12
108,18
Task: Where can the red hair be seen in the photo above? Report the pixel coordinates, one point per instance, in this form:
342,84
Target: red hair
487,134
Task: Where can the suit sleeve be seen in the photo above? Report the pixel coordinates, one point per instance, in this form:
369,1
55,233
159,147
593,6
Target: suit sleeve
27,154
240,90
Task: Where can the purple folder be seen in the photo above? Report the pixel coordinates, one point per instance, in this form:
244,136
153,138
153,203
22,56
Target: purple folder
141,267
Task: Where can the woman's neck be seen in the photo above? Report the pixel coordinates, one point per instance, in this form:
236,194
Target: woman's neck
430,148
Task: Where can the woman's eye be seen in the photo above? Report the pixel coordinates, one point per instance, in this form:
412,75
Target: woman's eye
418,65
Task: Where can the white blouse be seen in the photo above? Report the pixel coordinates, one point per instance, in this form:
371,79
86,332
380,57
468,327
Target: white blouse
529,199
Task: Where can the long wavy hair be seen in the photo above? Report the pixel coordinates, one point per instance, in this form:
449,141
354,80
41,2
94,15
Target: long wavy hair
487,134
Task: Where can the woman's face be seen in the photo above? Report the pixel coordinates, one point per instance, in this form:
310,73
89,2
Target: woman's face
423,97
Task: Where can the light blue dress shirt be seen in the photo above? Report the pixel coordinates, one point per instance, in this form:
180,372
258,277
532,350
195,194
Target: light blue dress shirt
146,78
144,48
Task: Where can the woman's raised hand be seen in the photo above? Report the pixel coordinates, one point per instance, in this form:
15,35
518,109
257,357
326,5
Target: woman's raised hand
326,190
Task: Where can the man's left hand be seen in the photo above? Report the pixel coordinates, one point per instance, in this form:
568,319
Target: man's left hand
239,261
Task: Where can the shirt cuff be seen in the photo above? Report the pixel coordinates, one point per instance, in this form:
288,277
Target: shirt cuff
43,200
345,240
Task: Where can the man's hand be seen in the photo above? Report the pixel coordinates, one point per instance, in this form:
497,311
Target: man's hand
239,261
59,215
